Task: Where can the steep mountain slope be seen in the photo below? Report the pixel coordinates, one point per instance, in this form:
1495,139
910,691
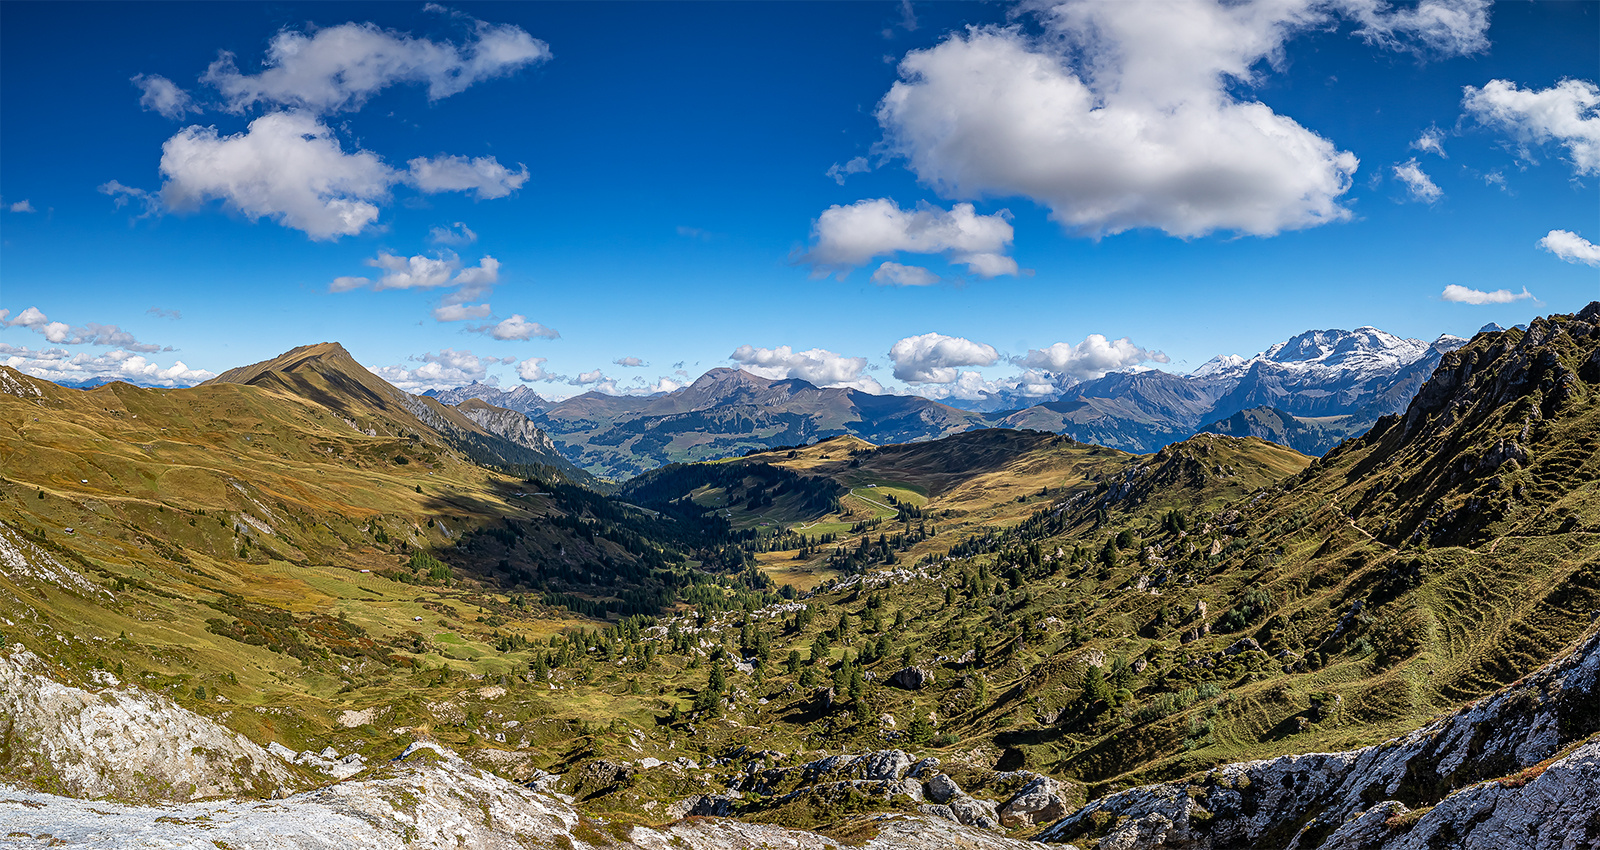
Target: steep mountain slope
507,423
1162,615
1518,769
1312,435
245,541
327,375
1135,411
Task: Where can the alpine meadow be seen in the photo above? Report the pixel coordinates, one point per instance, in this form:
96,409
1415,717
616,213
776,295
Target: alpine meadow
1093,424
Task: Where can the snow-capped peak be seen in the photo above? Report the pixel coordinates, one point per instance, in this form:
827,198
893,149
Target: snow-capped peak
1222,363
1330,354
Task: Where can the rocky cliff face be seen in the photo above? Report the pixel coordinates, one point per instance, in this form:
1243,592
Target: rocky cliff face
1520,768
120,742
510,424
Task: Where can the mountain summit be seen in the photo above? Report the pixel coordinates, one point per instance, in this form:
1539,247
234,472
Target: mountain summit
326,374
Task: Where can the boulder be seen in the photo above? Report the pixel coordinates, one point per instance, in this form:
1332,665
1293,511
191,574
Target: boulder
970,811
912,679
1242,645
706,806
1038,802
885,765
942,788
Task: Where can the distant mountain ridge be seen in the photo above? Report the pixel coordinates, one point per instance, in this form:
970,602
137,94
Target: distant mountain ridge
521,399
1312,390
728,412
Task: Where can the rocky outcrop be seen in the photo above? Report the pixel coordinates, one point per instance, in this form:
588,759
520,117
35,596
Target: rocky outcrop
21,559
327,762
1481,769
911,679
121,742
429,799
1539,809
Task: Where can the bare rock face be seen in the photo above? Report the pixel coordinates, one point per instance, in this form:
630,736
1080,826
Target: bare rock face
1363,798
1555,809
121,742
885,765
20,559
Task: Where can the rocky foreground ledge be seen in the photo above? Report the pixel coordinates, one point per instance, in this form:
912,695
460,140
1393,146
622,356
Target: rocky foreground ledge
1517,769
428,798
1520,768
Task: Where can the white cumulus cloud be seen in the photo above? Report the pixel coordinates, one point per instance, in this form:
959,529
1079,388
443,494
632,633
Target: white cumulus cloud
630,362
460,312
340,67
933,358
848,236
895,274
1092,358
532,369
1567,113
446,369
61,366
1129,115
814,366
417,272
968,386
663,384
22,206
287,166
1464,295
1446,27
1571,247
424,272
1136,143
61,333
516,328
291,168
486,273
159,94
1418,184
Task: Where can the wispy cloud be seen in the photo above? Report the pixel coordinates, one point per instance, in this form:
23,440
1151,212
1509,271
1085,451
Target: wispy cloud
1418,185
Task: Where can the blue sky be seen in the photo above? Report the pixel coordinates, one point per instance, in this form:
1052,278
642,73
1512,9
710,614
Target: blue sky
1150,184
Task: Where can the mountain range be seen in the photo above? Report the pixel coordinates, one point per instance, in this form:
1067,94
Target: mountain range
1309,393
